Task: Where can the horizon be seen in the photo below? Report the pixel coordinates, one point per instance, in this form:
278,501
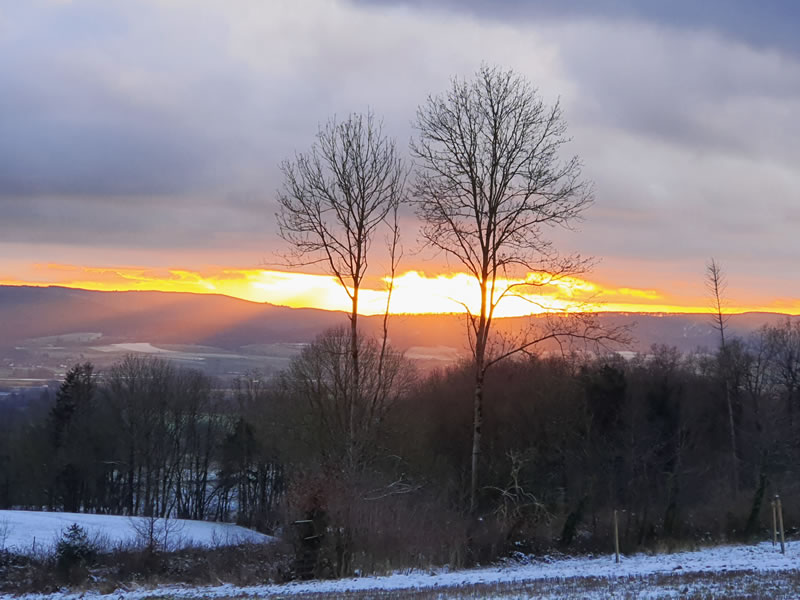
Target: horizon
700,311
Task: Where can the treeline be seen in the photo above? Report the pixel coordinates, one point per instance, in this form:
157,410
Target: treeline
144,438
379,475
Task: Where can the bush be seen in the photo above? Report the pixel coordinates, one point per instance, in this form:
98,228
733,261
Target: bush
347,525
74,553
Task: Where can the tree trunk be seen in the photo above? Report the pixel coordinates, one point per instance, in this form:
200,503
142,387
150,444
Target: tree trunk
354,393
715,280
732,426
130,482
477,429
481,336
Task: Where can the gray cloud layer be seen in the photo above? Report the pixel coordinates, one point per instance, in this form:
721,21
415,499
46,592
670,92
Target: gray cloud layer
765,24
161,124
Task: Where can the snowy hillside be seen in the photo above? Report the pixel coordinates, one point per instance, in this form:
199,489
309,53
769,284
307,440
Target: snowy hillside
30,531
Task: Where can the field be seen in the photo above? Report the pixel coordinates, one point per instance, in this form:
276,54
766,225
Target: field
735,571
32,532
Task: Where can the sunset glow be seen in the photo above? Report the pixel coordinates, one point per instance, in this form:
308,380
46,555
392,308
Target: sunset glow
414,292
151,157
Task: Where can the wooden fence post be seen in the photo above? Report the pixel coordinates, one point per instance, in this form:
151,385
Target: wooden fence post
774,523
616,536
780,522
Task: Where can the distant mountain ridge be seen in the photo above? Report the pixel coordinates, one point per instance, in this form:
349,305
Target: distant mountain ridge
221,321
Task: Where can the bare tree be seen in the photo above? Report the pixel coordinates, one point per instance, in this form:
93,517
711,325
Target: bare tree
489,180
318,382
784,341
758,359
335,199
716,283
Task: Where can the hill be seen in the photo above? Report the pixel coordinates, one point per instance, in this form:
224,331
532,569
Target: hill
53,326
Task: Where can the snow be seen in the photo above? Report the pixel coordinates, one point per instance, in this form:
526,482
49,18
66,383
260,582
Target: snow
754,561
28,532
145,347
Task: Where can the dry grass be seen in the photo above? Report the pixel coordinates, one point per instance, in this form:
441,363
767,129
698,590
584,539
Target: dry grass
734,585
242,565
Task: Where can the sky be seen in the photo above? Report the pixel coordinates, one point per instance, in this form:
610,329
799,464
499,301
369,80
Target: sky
140,140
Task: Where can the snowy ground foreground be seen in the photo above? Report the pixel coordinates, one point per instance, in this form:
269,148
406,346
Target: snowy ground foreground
26,532
737,561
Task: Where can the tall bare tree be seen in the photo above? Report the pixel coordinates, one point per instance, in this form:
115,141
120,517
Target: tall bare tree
716,284
784,341
490,179
335,199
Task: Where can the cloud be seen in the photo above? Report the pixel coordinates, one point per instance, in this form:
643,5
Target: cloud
167,120
160,125
767,24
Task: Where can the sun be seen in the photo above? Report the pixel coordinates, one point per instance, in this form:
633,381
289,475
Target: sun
413,292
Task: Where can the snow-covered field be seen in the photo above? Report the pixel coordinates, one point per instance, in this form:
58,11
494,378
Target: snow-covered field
753,571
26,532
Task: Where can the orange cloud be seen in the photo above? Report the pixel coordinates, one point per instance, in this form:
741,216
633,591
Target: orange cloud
414,292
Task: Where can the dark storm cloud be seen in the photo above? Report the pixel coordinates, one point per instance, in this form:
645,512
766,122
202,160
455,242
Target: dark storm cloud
116,118
88,109
131,221
764,23
685,89
117,127
153,99
659,89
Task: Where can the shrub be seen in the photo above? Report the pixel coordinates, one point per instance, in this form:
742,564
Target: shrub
360,524
74,553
